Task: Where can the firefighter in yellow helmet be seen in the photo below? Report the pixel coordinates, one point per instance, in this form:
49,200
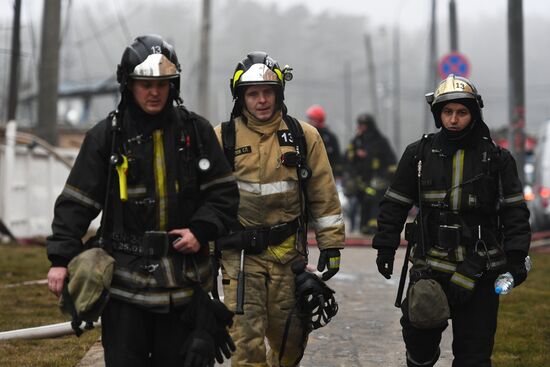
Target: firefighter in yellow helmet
285,182
472,225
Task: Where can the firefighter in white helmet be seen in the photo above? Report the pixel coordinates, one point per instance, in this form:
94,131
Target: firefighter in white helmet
285,182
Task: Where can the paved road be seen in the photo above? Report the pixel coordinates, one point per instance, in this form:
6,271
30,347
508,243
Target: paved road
366,331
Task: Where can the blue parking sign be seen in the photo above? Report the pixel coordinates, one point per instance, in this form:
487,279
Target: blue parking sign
454,63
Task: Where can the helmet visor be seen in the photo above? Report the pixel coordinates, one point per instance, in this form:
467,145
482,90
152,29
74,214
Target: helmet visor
155,66
257,74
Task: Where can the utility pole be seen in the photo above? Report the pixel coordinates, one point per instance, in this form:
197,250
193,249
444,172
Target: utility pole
49,72
432,66
204,61
13,90
516,89
347,98
396,90
453,26
372,75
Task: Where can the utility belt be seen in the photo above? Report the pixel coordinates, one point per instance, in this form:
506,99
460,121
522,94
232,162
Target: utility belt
153,244
256,240
448,236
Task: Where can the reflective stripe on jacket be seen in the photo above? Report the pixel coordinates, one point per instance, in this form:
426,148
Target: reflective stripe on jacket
269,191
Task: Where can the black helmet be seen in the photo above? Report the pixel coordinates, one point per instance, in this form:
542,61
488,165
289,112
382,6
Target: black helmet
368,120
315,299
259,68
149,57
455,89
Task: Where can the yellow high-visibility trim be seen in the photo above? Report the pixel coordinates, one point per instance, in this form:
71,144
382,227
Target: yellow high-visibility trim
458,171
279,74
283,248
122,170
237,76
160,178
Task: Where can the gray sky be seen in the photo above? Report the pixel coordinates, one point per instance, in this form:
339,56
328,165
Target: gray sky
415,13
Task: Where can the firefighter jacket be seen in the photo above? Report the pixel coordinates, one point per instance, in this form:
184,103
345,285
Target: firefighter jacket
470,186
375,169
165,191
269,190
333,150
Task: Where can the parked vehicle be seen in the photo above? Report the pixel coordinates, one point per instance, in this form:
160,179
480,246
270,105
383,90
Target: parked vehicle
539,205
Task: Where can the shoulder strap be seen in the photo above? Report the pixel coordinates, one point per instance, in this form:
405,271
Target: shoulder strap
418,159
297,133
418,155
228,141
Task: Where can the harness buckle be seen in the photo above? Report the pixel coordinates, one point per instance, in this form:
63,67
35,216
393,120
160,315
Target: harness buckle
150,268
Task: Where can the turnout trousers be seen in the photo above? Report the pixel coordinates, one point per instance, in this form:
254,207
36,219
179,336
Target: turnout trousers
268,301
474,327
134,337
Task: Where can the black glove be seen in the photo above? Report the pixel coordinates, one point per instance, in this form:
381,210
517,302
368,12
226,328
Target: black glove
384,261
331,259
463,281
224,319
199,349
212,317
516,266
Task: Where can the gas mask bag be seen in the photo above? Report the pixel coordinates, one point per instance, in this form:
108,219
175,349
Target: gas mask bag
86,289
427,304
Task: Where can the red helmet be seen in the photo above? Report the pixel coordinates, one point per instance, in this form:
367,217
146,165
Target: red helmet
316,114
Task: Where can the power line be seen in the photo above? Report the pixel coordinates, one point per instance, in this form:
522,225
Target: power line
95,35
122,21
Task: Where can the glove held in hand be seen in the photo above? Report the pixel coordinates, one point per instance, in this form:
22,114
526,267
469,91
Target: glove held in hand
329,258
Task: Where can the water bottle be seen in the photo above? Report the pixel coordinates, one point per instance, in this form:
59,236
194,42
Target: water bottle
505,282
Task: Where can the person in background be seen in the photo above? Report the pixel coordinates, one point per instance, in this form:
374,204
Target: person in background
316,116
371,163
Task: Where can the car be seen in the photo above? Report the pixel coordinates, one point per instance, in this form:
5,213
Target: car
537,194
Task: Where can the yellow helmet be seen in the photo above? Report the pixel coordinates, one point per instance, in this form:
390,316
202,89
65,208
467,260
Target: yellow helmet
455,89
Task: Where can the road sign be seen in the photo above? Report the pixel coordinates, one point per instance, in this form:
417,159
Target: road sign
454,63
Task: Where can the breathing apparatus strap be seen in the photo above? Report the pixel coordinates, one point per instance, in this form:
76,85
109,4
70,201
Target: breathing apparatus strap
301,148
114,117
418,160
228,141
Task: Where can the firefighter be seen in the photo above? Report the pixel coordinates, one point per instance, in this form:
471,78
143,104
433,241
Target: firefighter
285,182
157,174
316,117
472,225
371,163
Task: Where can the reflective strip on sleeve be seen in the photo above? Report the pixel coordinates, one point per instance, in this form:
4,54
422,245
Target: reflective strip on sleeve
514,199
395,196
76,194
328,221
463,281
278,187
217,181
